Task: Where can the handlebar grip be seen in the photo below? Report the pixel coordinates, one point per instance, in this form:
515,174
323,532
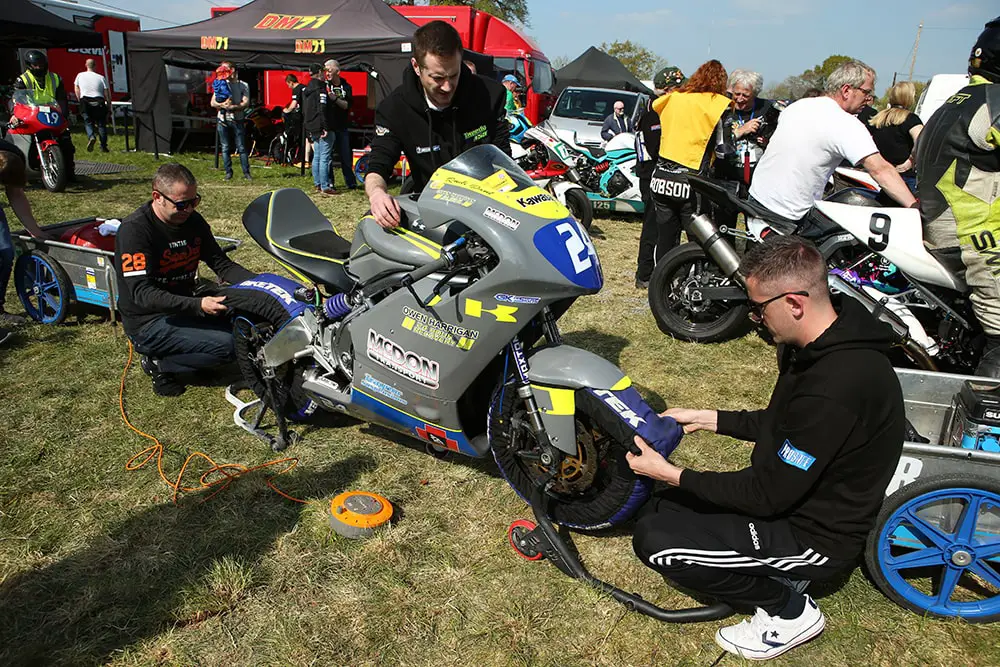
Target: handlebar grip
430,267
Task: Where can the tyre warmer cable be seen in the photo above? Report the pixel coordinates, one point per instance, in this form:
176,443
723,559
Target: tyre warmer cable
217,478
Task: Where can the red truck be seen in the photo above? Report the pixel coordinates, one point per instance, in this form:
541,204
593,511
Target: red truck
67,63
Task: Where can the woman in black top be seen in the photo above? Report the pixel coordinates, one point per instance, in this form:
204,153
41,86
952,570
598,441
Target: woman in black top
895,131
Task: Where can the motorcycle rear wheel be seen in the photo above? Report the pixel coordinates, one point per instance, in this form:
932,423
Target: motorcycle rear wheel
250,334
55,176
677,275
591,488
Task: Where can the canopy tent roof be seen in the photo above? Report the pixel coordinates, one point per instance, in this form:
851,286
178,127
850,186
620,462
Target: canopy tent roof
274,31
24,25
597,69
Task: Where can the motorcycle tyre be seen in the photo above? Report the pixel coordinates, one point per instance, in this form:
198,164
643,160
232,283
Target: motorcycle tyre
295,404
734,323
591,510
580,207
57,180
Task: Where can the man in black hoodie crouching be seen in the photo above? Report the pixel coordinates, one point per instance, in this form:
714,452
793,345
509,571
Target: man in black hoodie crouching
826,447
440,110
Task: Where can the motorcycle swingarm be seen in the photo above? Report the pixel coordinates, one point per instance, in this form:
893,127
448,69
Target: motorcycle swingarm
724,293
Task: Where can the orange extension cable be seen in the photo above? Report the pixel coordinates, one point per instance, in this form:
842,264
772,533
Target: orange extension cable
217,477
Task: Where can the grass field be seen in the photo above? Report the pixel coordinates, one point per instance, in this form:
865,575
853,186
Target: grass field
97,565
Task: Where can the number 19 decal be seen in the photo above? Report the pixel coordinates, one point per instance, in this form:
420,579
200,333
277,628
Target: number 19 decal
879,227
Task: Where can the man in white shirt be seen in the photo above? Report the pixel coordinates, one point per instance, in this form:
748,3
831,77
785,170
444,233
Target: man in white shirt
814,136
95,99
231,121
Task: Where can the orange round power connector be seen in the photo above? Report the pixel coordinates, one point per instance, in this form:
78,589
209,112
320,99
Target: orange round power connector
356,514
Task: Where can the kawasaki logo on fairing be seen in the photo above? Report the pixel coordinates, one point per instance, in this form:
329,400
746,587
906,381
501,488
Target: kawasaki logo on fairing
410,365
624,411
534,199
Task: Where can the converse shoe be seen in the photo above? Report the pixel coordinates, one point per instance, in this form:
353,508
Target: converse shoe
762,636
167,384
148,365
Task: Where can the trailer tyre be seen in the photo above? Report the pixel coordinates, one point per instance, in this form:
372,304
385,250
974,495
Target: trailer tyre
43,287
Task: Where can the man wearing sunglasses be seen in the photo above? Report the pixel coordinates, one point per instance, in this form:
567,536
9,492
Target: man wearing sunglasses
157,252
814,136
826,447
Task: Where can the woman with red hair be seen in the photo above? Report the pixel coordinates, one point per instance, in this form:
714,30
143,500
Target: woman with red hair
689,118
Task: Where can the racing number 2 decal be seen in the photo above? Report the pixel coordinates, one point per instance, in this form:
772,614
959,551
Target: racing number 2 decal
576,247
879,227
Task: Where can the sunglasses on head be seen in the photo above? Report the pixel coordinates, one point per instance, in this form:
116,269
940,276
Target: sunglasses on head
184,204
755,310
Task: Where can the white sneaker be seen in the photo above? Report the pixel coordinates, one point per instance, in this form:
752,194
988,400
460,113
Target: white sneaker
763,636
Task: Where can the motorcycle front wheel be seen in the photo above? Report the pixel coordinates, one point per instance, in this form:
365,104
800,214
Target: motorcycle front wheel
55,176
592,490
580,207
674,298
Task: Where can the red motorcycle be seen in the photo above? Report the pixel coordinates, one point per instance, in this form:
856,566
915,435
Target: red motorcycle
35,128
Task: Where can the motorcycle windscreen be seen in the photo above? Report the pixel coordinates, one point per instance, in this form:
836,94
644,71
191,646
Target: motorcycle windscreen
488,171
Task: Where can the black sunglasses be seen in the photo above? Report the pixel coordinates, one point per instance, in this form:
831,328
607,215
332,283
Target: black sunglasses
182,205
756,310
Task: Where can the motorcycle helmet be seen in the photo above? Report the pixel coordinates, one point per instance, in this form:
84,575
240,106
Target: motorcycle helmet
518,126
37,62
985,57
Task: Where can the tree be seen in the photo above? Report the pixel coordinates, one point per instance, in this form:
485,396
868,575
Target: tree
514,11
795,87
559,62
637,59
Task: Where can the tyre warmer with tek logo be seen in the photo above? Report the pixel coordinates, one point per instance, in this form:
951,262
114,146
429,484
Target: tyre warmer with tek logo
622,414
267,295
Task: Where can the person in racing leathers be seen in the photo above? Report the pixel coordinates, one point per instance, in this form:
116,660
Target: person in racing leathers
814,137
958,181
47,88
826,448
440,110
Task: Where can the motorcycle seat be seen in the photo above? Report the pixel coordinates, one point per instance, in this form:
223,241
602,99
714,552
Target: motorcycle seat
722,197
595,151
287,224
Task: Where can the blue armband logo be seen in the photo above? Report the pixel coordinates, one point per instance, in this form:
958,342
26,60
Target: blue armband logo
795,457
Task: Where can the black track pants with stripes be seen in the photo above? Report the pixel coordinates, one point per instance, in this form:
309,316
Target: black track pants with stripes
726,556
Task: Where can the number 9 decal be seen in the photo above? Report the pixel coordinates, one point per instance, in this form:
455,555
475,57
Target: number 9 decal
879,227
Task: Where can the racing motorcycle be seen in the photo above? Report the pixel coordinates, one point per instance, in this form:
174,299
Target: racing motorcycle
875,255
37,133
429,329
544,158
608,174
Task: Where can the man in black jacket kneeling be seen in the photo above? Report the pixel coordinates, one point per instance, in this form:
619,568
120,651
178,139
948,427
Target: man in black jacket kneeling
826,448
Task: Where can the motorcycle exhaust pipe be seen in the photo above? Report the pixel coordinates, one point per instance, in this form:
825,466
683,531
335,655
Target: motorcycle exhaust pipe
913,349
716,246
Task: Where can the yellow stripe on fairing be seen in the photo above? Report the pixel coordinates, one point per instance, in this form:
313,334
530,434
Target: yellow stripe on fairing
563,400
624,383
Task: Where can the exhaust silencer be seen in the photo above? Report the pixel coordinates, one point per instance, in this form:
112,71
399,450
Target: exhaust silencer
703,230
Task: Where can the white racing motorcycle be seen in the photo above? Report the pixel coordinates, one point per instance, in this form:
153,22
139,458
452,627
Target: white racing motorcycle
876,256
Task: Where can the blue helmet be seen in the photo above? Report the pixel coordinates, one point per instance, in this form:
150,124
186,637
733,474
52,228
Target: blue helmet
518,126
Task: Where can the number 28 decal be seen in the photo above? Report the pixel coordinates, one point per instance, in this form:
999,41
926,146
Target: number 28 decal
879,227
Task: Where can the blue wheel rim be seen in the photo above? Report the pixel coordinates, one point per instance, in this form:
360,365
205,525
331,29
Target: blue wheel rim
952,535
361,167
39,289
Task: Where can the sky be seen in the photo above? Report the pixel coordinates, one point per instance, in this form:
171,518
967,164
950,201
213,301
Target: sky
777,38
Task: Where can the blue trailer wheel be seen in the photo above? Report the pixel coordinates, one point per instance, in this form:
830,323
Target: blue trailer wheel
361,167
43,287
935,548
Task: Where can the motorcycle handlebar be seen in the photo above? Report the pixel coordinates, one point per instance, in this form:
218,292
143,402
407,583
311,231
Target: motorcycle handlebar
446,259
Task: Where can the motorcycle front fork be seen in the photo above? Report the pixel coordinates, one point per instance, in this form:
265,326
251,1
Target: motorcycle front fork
549,456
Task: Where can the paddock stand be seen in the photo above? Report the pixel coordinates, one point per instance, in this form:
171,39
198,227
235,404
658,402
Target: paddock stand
543,541
277,443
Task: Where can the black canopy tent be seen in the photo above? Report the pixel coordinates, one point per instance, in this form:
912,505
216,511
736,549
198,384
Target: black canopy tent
597,69
25,25
362,35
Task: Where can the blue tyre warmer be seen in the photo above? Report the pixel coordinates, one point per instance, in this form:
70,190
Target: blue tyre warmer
268,296
622,414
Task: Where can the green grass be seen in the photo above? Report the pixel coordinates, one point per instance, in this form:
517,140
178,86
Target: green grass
98,566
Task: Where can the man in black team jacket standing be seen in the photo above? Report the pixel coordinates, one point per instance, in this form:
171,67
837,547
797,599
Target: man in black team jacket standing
827,446
440,110
157,252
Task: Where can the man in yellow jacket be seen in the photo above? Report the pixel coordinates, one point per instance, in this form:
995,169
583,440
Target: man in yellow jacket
47,88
